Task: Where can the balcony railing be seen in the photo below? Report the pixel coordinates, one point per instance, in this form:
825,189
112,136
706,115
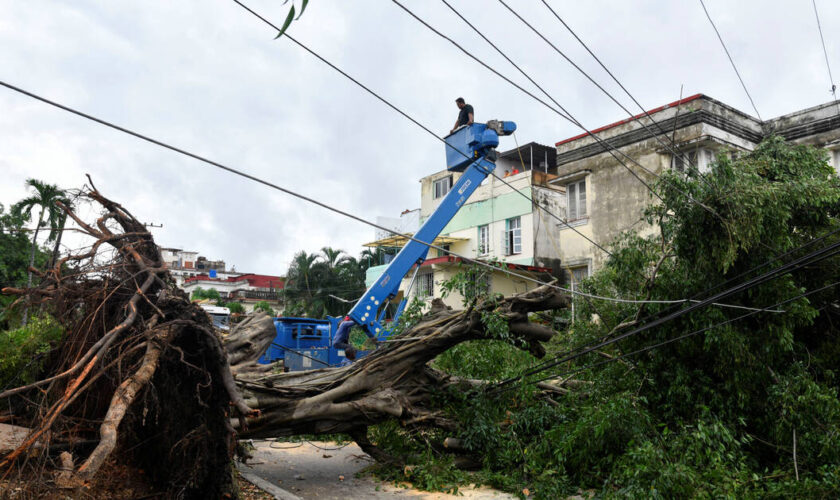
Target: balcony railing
255,294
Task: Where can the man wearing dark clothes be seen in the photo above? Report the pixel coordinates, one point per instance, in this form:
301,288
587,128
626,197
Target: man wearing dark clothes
465,116
342,338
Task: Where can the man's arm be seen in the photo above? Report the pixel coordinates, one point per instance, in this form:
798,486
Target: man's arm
455,126
471,119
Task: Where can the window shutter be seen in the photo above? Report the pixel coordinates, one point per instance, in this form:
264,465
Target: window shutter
582,198
572,201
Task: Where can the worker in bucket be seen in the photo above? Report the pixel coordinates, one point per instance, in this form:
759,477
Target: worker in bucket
465,116
342,338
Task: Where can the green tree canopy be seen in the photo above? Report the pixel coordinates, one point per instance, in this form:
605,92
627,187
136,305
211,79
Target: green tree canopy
713,414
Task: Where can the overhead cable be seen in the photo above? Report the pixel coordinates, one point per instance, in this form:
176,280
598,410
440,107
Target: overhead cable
565,114
731,61
401,112
672,340
501,267
825,52
811,258
617,81
592,80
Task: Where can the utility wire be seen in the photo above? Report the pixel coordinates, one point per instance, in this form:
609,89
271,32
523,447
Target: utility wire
670,341
825,52
731,61
565,114
501,267
269,23
811,258
617,81
400,111
588,77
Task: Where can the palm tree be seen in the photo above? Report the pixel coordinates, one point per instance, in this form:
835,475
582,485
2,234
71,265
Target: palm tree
45,196
58,232
332,257
299,276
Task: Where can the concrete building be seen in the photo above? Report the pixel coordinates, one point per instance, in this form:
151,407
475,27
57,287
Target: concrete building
247,289
603,198
184,264
497,223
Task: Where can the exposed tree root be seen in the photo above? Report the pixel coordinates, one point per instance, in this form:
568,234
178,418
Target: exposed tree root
139,371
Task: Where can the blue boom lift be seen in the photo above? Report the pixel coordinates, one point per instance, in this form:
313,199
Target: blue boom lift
307,344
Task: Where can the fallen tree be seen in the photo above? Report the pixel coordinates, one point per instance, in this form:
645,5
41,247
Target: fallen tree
395,382
141,377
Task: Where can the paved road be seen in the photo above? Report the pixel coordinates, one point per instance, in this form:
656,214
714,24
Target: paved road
315,471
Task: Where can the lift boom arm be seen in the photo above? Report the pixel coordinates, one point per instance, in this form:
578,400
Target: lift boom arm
471,150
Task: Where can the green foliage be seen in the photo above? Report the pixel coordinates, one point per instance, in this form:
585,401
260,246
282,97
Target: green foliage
290,16
16,250
318,285
471,282
710,416
235,307
209,294
265,307
23,350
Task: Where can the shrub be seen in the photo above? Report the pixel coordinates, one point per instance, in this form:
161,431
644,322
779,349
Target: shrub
23,350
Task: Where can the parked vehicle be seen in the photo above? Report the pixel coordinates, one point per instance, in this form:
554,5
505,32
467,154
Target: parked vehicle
219,315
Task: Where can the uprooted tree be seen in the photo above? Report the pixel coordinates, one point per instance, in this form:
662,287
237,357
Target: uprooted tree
141,377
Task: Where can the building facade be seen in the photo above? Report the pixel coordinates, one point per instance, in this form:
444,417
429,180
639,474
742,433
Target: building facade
604,198
498,223
247,289
184,264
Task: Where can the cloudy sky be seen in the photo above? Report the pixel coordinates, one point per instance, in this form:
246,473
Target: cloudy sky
208,77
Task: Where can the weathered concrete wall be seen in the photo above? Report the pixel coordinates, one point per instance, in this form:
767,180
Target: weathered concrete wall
616,198
499,283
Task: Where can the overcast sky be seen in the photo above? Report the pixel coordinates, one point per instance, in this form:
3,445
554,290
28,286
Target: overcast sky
208,77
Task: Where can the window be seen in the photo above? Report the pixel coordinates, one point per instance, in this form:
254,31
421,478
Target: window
483,240
513,236
701,158
577,274
834,157
426,285
444,252
576,199
442,186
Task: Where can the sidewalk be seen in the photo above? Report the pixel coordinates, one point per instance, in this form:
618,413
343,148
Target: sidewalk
315,470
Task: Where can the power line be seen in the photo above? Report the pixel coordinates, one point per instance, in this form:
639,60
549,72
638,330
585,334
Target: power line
811,258
615,79
264,20
264,182
731,61
410,118
825,52
672,340
565,114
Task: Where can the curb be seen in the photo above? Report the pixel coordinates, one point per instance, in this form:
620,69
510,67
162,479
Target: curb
276,491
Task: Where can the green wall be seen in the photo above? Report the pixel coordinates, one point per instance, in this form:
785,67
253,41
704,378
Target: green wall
484,212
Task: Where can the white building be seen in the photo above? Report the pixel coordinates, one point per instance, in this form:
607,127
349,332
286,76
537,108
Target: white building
497,223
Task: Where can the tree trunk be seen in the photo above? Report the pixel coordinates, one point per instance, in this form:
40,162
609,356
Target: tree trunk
57,247
32,263
394,382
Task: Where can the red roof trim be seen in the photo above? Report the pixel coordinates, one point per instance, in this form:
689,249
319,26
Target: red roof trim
627,120
509,265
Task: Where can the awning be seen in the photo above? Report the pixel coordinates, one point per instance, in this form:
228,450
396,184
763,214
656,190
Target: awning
400,241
